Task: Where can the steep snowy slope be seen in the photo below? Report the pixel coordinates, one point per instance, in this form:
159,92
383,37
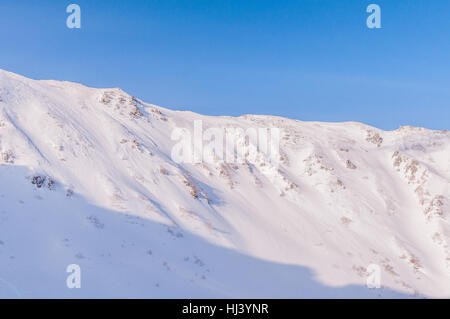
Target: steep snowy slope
87,178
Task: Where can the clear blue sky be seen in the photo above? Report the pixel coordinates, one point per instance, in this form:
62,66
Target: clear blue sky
304,59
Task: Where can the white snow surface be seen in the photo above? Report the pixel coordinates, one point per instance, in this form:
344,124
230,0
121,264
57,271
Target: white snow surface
345,196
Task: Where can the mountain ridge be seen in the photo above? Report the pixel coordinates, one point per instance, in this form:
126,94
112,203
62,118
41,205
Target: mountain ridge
344,196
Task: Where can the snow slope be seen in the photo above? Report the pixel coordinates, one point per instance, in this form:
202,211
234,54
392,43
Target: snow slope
87,178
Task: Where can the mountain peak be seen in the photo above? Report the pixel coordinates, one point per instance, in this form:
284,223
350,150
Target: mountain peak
89,178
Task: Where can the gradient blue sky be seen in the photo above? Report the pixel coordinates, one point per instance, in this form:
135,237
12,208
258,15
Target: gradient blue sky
304,59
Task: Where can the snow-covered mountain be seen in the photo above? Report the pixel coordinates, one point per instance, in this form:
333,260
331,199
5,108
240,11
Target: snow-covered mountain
87,178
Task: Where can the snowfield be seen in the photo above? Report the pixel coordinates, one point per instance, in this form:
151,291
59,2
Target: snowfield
87,178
